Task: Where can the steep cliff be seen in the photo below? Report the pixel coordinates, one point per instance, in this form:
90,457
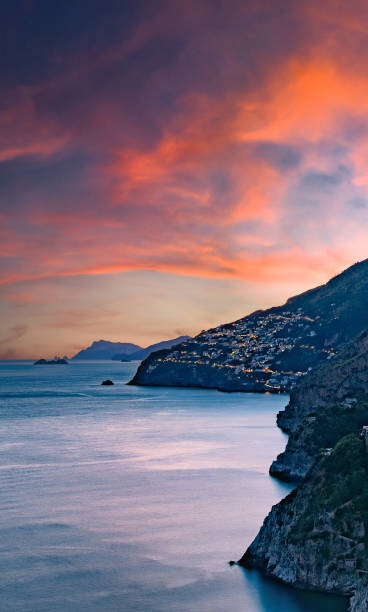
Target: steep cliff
268,350
359,601
327,404
317,537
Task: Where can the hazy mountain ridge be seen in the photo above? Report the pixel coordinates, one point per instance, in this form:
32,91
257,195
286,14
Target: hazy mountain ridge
144,352
268,350
104,349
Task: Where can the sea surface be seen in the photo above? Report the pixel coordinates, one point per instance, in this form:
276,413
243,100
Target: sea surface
134,499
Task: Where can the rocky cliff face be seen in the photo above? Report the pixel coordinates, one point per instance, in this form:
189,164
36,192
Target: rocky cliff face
316,538
268,350
359,601
329,403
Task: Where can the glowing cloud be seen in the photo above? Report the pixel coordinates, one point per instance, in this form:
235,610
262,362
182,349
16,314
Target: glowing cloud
223,142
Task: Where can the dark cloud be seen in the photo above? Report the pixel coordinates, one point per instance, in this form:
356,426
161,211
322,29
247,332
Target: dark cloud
33,181
37,37
317,180
280,156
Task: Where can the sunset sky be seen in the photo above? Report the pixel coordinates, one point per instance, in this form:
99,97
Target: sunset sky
166,166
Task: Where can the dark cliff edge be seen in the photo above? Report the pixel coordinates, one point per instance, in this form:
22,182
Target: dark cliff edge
268,350
204,375
327,404
316,538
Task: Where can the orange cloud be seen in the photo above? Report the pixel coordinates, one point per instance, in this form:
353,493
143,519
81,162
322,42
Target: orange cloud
220,144
42,148
203,197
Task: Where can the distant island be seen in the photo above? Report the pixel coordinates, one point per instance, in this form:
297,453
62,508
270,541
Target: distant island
269,350
123,351
56,361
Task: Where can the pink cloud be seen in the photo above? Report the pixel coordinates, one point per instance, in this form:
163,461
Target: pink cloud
199,193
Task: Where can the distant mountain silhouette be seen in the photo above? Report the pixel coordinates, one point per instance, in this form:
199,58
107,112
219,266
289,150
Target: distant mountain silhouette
103,349
143,353
123,351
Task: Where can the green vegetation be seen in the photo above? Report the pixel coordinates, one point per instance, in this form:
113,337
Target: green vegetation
339,487
346,477
336,421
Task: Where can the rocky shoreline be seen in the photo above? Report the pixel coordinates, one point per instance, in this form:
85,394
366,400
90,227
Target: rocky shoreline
317,537
327,404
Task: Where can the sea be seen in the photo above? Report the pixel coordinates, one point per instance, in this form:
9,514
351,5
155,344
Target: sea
134,499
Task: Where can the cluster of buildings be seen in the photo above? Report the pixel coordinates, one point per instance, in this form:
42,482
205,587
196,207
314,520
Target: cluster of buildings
272,348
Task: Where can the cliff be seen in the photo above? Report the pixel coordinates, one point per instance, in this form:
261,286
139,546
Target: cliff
327,404
316,538
359,600
268,350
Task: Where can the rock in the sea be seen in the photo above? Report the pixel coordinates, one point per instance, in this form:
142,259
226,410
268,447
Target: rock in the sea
107,382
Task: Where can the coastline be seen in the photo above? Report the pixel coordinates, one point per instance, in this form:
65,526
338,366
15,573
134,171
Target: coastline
325,396
315,538
233,389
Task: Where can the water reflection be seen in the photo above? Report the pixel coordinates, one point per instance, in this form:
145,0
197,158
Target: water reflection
128,499
271,596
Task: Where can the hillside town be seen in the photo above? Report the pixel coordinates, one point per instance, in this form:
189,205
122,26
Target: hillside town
260,347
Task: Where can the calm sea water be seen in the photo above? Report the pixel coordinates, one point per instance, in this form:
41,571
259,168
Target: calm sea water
134,499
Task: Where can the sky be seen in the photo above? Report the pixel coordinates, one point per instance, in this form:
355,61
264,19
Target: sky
169,165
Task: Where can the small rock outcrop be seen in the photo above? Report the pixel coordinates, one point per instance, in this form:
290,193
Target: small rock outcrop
107,382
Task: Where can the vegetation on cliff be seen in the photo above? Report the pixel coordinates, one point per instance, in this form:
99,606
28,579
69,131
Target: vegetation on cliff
317,536
329,403
340,488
